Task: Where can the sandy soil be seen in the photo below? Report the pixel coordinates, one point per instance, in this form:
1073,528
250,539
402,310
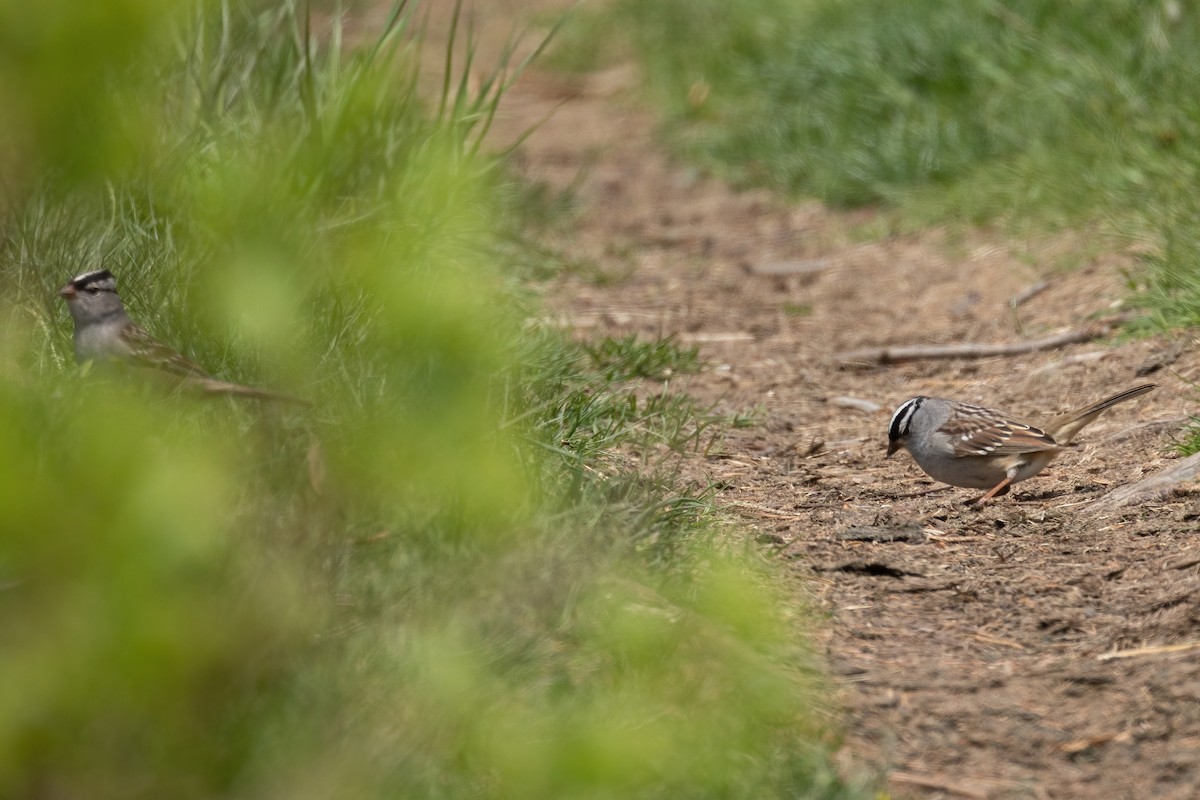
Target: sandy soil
1005,652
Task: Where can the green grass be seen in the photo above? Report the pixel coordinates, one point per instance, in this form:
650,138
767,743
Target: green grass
630,357
470,569
1190,443
870,102
1036,114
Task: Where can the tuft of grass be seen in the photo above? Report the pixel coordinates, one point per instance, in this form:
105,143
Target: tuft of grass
1190,441
630,357
1169,286
589,402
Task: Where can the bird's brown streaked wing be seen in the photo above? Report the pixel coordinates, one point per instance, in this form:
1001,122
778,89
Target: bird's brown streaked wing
981,433
149,353
146,351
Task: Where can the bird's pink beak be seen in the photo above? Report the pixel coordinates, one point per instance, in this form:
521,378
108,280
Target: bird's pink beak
67,291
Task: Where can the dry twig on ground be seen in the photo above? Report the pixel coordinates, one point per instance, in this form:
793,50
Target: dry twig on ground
875,356
1157,487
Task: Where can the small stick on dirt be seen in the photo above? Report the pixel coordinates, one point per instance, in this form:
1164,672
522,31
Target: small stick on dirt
855,403
1028,293
1183,562
1091,742
776,513
799,266
1157,650
940,783
718,337
1159,486
996,640
875,356
763,511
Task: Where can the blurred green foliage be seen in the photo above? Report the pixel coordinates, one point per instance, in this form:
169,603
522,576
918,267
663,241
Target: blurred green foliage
465,570
58,60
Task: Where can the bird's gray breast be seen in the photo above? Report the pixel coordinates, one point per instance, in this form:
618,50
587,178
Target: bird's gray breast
100,341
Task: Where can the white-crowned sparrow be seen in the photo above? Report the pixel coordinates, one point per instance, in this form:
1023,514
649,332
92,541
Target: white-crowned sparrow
980,448
105,333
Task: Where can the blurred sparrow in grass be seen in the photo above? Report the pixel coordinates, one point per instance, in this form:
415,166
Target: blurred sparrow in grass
105,333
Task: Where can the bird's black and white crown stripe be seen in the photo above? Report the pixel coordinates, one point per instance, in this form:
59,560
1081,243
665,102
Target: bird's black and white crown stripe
96,280
902,419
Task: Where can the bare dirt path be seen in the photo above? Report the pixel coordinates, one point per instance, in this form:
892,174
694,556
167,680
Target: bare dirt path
975,647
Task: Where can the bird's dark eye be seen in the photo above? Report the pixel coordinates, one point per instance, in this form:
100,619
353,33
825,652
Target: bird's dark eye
91,290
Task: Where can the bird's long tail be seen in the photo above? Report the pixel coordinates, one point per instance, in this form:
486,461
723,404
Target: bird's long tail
1066,426
213,386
